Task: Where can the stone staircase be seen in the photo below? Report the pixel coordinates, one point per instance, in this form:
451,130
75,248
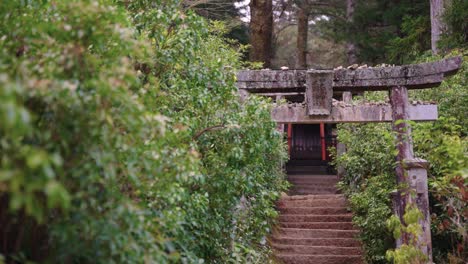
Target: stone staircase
314,225
307,167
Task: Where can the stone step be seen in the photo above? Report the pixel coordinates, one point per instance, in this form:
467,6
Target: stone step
315,225
337,242
313,177
330,189
300,172
315,218
319,259
313,210
291,168
312,190
316,250
331,202
305,170
306,162
316,233
313,197
309,191
313,185
319,225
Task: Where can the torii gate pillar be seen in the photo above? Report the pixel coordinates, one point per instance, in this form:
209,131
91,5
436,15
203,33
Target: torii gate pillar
411,173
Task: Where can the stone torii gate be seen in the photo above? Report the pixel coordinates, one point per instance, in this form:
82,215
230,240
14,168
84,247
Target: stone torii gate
318,87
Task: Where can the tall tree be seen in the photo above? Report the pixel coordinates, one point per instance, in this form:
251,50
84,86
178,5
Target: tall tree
437,24
302,35
261,30
350,45
307,10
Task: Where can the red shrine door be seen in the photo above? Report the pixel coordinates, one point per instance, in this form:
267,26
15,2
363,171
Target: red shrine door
309,141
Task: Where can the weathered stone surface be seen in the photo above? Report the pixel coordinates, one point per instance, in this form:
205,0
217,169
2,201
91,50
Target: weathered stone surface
265,86
357,84
316,250
411,174
322,259
446,67
280,94
416,170
404,146
319,93
315,228
338,242
415,76
320,225
297,113
270,75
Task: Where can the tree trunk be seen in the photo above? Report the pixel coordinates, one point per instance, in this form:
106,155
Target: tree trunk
261,29
437,24
302,31
350,46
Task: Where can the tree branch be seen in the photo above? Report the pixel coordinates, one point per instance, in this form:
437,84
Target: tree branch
211,128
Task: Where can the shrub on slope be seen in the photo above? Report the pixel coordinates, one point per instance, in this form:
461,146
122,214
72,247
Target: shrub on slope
123,141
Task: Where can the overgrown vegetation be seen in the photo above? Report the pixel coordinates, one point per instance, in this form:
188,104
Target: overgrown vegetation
122,139
370,177
370,161
368,183
407,252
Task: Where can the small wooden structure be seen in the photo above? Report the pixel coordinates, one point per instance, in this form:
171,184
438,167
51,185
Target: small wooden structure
317,106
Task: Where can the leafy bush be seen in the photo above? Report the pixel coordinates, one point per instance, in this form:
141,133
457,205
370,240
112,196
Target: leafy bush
445,146
368,183
123,141
455,17
407,252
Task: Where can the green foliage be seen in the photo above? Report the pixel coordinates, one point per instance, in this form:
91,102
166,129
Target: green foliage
239,154
451,96
121,130
445,145
368,182
455,16
450,222
407,252
370,206
82,128
398,32
369,152
384,31
414,41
